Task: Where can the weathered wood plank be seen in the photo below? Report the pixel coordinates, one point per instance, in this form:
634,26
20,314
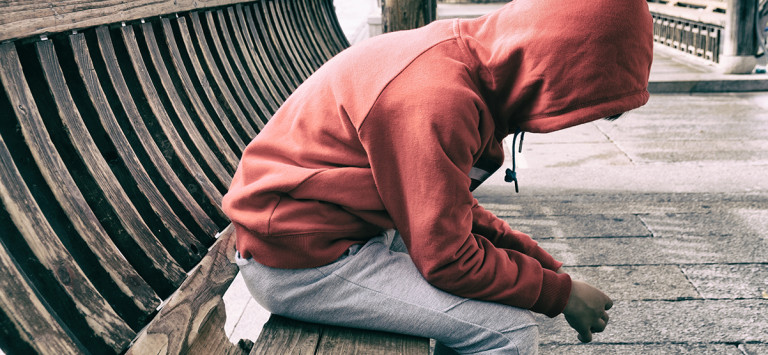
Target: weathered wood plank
28,319
258,52
187,248
326,15
278,41
218,175
268,38
224,88
180,321
308,49
346,341
157,155
315,33
217,155
184,205
106,325
233,80
282,335
286,42
192,88
271,94
24,18
257,93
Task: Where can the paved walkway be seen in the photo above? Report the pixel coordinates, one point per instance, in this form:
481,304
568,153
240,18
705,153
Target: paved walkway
665,209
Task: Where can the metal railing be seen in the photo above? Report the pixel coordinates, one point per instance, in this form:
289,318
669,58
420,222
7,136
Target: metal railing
689,36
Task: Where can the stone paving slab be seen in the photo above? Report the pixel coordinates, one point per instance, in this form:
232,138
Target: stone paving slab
729,281
755,349
565,155
537,202
743,222
656,251
637,283
580,226
634,349
689,321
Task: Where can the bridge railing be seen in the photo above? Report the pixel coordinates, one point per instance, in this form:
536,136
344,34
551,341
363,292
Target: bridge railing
691,26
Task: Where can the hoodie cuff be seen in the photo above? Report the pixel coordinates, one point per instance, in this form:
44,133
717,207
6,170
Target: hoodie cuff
555,291
546,260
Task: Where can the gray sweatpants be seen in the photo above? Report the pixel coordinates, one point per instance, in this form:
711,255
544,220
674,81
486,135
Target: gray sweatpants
377,286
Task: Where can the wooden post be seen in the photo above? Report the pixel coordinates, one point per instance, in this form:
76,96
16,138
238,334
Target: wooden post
740,38
399,15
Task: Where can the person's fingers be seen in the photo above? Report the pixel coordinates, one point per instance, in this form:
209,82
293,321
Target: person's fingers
605,317
609,304
599,326
585,337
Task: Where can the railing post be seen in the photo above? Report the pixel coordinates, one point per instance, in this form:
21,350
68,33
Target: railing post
399,15
740,38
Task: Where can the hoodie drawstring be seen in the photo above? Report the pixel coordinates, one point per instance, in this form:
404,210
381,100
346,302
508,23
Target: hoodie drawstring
511,175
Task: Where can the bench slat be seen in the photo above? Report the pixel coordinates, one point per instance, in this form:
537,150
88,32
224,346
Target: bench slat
307,49
266,37
284,39
225,135
222,98
275,71
233,81
179,322
223,86
202,160
275,39
25,18
217,153
27,319
193,175
255,96
174,193
316,33
271,93
282,335
187,249
108,328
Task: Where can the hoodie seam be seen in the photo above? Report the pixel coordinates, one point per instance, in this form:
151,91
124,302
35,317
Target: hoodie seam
464,48
585,105
394,77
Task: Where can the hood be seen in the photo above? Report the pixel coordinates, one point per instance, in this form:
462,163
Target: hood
546,65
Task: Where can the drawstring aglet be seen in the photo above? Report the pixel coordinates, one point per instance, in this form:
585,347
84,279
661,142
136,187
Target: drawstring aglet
510,177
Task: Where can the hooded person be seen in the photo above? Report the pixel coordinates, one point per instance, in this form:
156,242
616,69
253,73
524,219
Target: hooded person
354,205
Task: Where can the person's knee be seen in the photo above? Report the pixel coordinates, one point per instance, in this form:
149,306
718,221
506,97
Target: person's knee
525,340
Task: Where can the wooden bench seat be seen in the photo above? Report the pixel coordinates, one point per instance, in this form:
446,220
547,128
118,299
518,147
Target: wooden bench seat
121,125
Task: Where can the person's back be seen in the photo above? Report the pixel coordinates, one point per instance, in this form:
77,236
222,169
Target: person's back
356,198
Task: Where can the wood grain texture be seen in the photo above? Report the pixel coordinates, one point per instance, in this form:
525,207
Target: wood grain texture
29,320
105,180
184,203
225,87
268,37
271,96
180,321
220,128
25,18
258,52
346,341
282,335
157,155
213,150
257,97
99,315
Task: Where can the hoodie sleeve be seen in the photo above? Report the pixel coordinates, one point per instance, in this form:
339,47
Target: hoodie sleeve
420,147
502,236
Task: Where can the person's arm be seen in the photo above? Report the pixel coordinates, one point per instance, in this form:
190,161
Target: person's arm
420,152
503,236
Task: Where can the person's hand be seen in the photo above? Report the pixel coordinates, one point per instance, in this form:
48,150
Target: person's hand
586,310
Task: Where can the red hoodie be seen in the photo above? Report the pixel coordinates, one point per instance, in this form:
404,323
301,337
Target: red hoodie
396,131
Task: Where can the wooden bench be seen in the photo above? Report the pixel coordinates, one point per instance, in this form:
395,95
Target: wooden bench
121,124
